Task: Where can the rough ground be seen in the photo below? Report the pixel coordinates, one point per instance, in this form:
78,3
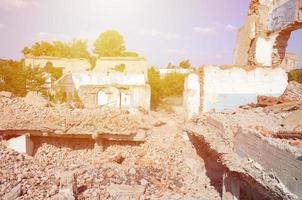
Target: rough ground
166,166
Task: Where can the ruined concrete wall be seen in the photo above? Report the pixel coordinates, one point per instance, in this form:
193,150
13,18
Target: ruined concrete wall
136,96
262,41
141,97
92,78
192,95
230,88
136,65
68,65
245,36
88,95
290,62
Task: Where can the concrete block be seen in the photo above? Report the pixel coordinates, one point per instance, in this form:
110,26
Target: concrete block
21,144
287,167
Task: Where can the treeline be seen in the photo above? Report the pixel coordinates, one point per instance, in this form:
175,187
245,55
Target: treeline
171,85
18,79
295,75
109,44
74,49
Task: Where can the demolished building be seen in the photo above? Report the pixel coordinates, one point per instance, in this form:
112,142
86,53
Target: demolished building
256,151
120,82
262,41
237,145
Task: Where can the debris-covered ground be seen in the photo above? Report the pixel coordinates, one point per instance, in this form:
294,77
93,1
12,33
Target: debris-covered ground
165,166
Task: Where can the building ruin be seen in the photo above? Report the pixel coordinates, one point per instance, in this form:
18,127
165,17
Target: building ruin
104,84
222,152
262,41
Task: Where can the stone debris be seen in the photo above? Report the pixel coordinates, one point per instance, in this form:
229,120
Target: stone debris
36,99
13,194
293,93
121,192
275,127
155,169
30,113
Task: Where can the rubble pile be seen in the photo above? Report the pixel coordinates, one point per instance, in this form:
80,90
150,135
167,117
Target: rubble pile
282,121
165,166
292,93
16,113
20,171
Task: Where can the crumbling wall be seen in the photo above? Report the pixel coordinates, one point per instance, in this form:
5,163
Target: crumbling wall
68,65
262,41
192,95
133,65
232,87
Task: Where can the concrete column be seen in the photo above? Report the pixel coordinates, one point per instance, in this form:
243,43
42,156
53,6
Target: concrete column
99,144
191,95
230,187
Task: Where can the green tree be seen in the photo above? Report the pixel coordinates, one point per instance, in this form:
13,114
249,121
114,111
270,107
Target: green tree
156,88
130,54
110,43
185,64
18,79
173,84
78,49
13,78
35,79
73,49
295,75
120,68
55,72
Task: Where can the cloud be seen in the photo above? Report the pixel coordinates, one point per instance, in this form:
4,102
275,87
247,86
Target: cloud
172,36
177,51
230,27
205,30
15,4
158,33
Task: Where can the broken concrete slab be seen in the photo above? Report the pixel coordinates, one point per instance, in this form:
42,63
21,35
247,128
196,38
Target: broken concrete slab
287,166
121,192
262,41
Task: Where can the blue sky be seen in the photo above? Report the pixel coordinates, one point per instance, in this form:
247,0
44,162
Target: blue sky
163,31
